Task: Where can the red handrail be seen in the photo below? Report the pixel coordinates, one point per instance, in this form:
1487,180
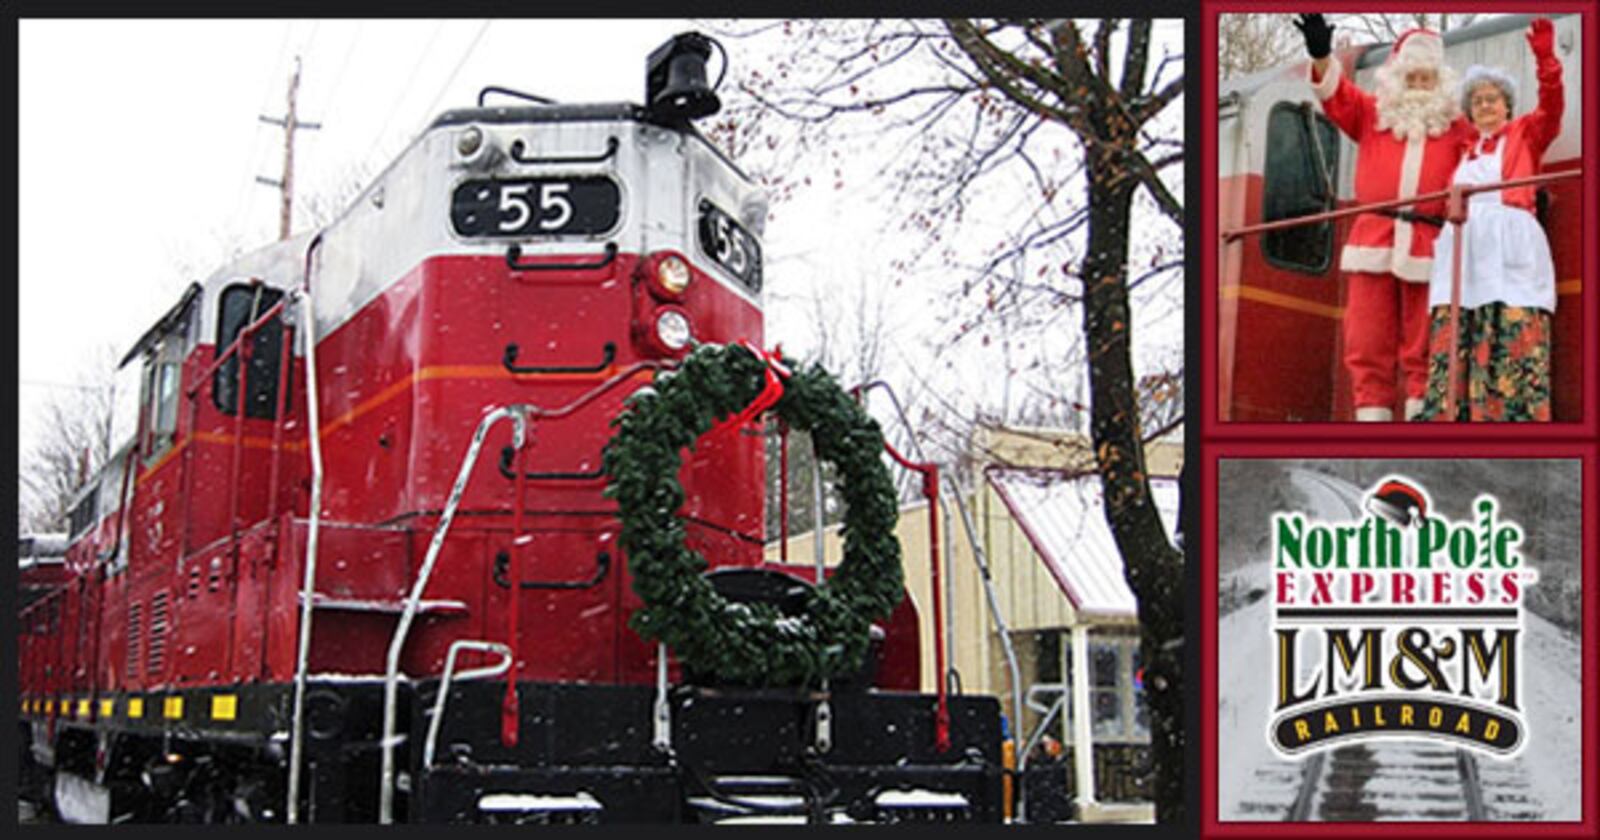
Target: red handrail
1373,206
783,492
930,489
247,331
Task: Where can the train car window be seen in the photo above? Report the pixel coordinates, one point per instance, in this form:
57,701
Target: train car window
1297,183
83,513
160,395
241,305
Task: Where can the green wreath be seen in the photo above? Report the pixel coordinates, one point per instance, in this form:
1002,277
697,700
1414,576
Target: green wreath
751,644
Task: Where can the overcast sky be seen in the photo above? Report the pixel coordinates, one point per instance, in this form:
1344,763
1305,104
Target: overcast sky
140,142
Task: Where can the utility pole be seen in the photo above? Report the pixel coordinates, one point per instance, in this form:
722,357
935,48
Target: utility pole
285,185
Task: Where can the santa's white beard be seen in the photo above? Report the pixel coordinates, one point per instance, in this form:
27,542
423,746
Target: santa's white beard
1415,114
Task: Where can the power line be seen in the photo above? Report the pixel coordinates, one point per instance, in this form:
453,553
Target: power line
41,383
400,96
466,54
344,64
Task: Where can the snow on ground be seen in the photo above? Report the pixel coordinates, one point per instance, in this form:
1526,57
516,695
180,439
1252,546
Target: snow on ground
1252,781
1244,706
1552,702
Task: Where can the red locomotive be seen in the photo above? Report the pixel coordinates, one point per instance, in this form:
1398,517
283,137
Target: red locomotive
1281,293
260,624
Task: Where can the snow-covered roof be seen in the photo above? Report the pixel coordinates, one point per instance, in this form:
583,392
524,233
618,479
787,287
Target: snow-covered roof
1063,517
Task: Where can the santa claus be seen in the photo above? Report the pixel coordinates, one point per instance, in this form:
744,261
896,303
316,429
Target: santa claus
1409,134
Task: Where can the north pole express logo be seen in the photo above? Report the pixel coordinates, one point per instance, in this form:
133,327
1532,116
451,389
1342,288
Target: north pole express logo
1400,624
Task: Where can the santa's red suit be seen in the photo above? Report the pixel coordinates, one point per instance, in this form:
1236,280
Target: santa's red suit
1389,254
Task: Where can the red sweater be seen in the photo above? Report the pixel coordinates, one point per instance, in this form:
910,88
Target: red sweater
1528,136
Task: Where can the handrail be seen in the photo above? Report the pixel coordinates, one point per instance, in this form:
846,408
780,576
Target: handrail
246,331
1374,206
608,354
280,418
470,674
930,490
518,147
594,393
313,530
514,255
783,492
1014,671
387,738
1049,713
576,403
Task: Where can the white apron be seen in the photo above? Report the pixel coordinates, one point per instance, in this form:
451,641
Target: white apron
1505,255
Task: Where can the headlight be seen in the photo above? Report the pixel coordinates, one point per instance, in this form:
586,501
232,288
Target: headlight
469,141
672,273
672,329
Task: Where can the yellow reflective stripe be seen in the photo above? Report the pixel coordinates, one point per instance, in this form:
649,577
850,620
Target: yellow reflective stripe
172,708
136,707
108,708
224,706
83,708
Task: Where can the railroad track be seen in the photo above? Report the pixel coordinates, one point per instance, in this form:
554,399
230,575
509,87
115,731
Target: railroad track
1397,781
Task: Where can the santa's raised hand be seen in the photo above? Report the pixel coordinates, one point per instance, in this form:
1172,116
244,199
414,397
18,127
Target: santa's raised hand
1318,34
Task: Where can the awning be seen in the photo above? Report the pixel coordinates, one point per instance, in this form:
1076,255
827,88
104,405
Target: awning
1063,518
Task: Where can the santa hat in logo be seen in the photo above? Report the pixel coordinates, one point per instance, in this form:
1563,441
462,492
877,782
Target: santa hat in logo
1398,502
1417,48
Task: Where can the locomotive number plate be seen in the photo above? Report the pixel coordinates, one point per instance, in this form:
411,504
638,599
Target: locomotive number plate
535,206
730,245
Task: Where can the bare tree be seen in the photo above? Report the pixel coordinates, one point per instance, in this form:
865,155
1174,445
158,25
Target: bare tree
320,207
847,337
74,442
1250,42
1050,137
1376,28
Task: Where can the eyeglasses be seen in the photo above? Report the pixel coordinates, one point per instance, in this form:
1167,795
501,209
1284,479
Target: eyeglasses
1486,99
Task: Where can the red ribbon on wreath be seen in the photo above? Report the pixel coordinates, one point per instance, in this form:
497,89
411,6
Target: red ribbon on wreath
770,393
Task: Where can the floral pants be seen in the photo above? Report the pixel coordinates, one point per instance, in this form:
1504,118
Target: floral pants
1503,372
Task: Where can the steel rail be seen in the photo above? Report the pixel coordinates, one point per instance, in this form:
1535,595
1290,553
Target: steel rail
1311,770
1471,786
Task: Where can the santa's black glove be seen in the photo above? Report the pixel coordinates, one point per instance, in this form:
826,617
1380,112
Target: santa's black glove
1318,34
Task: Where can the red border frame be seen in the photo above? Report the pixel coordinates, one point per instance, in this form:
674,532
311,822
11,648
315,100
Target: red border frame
1589,456
1218,440
1211,426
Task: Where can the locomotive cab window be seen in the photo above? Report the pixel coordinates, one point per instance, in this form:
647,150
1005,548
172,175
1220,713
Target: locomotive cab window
241,305
1302,157
159,387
